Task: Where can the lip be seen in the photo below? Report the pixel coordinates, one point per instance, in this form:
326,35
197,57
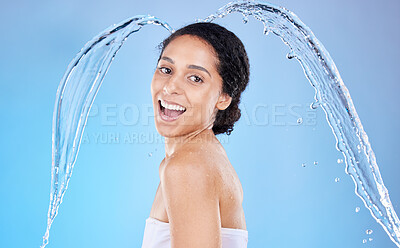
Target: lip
165,117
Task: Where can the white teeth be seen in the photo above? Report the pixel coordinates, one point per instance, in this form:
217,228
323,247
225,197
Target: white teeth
173,107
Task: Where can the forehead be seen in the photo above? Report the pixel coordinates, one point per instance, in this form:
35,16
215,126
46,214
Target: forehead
191,48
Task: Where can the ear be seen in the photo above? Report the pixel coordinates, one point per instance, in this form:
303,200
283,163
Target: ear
224,100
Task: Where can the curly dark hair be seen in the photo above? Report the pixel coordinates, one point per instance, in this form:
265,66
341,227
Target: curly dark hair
233,67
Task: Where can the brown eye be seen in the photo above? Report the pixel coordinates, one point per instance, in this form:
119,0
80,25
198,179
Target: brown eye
165,70
196,79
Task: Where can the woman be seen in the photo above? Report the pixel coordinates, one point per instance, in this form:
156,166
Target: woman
202,71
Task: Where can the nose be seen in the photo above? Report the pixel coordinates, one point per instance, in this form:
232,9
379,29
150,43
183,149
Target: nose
172,86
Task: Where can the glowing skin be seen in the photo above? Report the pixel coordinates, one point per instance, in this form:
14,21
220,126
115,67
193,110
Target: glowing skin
187,75
199,190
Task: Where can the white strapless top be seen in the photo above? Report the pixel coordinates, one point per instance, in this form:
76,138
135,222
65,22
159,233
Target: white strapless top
157,235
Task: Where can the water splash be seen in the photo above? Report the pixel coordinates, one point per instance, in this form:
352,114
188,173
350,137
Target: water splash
75,95
84,75
334,99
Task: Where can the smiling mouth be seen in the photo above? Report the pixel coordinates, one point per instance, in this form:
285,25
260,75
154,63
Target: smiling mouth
169,114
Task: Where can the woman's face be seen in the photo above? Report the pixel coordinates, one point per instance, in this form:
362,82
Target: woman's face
186,87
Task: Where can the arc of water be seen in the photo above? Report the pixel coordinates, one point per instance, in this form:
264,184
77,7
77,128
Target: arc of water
334,98
75,95
84,75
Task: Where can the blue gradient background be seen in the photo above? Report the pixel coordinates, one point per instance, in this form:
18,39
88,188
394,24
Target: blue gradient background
113,184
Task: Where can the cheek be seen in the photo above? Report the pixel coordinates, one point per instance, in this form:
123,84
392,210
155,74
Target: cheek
206,102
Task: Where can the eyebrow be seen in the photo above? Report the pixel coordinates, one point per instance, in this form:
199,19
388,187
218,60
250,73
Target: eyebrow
197,67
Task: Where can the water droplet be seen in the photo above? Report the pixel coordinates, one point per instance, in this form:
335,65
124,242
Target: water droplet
357,209
300,120
315,162
368,231
337,180
303,164
290,55
245,20
266,30
314,105
150,154
364,241
339,161
370,239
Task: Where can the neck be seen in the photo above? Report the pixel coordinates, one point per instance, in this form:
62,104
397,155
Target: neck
174,144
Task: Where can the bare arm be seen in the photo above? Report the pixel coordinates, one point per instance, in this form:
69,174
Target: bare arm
192,205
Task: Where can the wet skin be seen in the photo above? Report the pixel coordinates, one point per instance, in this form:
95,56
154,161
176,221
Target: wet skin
199,190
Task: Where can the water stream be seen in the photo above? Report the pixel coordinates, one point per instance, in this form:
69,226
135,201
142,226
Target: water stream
84,75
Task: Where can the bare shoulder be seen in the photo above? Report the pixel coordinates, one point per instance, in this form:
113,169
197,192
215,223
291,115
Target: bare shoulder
191,201
206,165
189,168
